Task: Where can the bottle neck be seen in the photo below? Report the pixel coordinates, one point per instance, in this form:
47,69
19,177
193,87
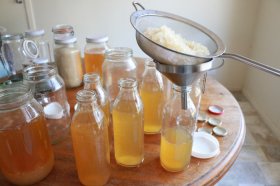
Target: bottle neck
118,54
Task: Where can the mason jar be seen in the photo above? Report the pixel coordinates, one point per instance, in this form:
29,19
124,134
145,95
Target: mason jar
26,153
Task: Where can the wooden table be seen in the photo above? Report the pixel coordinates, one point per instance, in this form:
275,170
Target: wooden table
199,172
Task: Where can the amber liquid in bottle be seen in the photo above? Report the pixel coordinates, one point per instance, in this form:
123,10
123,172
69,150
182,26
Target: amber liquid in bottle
26,155
93,62
91,149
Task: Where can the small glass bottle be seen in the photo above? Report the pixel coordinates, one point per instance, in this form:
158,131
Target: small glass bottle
128,124
90,140
152,95
94,53
118,64
92,82
69,62
177,131
49,90
26,153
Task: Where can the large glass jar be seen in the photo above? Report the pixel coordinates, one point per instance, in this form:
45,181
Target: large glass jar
118,64
49,90
69,62
128,124
90,140
94,53
178,127
152,95
26,153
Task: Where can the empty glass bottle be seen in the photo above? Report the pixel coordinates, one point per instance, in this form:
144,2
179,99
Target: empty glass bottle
128,125
177,130
152,95
90,140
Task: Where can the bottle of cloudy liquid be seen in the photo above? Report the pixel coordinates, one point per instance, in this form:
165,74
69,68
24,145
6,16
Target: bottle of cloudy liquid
152,95
90,140
128,125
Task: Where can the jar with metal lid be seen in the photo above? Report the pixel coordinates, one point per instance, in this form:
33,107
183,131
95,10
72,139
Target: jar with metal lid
69,63
118,63
94,53
43,45
26,153
62,30
90,140
49,90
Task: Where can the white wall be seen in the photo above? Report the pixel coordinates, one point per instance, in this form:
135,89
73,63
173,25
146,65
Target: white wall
263,90
232,20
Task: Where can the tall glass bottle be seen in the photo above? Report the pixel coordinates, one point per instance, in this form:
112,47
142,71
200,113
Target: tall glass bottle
90,140
152,95
177,130
128,126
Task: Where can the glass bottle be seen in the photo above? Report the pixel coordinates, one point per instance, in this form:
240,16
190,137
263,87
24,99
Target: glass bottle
43,45
92,82
177,130
118,64
90,140
69,62
49,90
128,124
94,53
152,95
26,153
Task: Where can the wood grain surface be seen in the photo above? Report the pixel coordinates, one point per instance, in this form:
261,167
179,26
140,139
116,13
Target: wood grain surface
199,172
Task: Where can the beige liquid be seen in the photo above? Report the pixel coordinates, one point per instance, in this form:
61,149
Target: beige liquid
128,135
175,149
91,149
152,102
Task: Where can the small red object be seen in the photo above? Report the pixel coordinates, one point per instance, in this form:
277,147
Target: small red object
215,109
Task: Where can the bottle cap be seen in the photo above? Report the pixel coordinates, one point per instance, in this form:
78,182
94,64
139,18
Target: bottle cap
38,32
204,129
97,39
214,121
220,131
202,117
205,145
65,40
215,109
53,110
41,60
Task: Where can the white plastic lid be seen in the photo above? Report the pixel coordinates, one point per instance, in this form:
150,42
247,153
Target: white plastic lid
205,145
41,60
65,40
220,131
53,110
214,121
202,117
215,109
38,32
97,39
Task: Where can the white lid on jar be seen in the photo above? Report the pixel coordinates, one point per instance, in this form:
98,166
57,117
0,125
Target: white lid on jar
38,32
41,60
65,40
97,39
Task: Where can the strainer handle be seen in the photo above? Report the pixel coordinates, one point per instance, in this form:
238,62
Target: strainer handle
252,63
135,4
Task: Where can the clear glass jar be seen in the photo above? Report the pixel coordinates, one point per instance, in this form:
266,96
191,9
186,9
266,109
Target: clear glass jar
152,95
94,53
62,31
69,62
92,82
118,63
49,90
177,130
26,153
128,123
90,140
43,45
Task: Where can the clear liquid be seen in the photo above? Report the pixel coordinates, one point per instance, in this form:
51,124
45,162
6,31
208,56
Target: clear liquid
128,135
175,149
91,149
152,102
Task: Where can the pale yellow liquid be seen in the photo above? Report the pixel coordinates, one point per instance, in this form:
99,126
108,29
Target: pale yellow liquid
152,110
128,135
91,150
175,149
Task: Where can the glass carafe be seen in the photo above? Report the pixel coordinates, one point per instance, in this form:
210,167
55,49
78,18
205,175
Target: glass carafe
152,95
177,130
128,125
26,153
90,140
